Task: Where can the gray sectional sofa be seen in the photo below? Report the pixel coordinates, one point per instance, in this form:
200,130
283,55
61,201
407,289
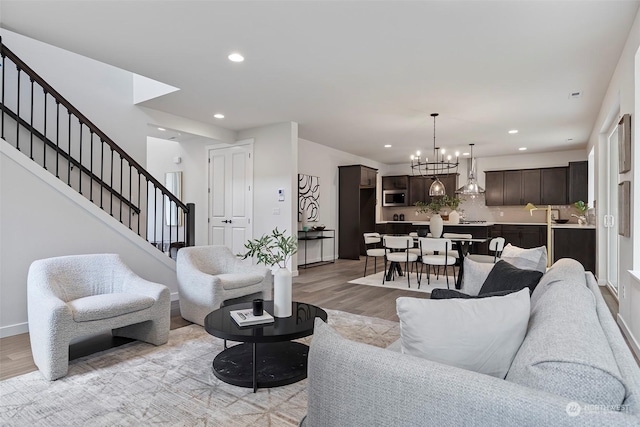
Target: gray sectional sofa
573,368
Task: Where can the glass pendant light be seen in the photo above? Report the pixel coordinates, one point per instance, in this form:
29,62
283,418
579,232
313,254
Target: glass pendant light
471,188
437,188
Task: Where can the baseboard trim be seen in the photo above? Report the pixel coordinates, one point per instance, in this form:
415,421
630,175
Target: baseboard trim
627,333
11,330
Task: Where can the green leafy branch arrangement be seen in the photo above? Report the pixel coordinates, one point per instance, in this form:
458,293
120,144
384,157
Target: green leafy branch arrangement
581,206
437,203
274,249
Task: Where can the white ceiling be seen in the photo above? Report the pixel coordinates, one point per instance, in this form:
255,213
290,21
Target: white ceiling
357,75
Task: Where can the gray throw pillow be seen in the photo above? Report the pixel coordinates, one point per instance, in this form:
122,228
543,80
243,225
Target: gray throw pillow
507,277
475,273
531,259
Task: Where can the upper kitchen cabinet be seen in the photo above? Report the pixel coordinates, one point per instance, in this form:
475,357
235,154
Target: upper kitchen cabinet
368,177
544,186
578,181
419,187
494,193
399,182
553,183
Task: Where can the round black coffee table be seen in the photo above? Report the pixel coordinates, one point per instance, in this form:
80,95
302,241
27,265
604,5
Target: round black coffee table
267,357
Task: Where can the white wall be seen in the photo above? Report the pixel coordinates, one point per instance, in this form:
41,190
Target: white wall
621,99
321,161
42,217
275,162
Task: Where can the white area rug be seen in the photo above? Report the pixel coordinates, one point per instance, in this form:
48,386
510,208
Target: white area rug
401,282
171,385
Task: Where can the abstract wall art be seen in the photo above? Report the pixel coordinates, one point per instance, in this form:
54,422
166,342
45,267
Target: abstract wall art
308,197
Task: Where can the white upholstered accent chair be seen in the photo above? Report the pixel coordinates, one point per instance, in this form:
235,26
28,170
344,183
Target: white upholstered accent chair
371,241
496,245
440,250
397,252
210,275
80,295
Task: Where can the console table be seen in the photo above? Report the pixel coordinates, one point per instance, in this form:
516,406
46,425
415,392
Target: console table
321,235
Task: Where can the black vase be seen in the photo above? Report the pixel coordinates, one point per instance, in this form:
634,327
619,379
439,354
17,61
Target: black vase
395,217
401,217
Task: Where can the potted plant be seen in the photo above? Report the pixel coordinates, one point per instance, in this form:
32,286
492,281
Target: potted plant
436,224
276,249
582,208
452,203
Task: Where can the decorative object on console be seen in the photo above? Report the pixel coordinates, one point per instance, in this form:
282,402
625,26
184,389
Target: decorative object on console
482,335
531,207
471,188
439,165
276,250
308,198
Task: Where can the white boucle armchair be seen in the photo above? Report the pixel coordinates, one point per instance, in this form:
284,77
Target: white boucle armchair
210,275
79,295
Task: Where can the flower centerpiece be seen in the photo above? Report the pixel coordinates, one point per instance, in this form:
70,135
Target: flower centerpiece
273,250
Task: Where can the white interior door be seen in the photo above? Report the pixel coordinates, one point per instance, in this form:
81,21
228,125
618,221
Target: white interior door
230,196
611,211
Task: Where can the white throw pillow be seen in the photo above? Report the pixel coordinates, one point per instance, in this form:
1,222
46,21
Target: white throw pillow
481,335
475,274
530,259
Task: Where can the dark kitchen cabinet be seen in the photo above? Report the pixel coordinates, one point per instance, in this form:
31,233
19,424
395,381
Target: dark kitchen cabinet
494,193
524,236
419,187
553,184
368,177
400,182
519,187
578,181
357,209
576,243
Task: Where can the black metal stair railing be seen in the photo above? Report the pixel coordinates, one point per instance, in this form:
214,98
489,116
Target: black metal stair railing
43,125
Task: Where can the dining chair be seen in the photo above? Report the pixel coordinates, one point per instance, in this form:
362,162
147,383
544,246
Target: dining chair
440,249
496,245
397,251
371,241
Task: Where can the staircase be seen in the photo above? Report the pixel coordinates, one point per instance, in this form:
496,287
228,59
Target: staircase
41,124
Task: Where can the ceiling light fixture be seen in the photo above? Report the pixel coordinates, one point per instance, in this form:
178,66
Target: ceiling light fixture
236,57
387,146
522,148
471,188
512,131
161,129
219,116
439,165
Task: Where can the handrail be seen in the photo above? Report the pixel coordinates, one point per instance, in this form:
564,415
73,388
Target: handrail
6,52
73,161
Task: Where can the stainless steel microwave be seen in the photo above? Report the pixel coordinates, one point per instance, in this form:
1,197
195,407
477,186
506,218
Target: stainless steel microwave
394,198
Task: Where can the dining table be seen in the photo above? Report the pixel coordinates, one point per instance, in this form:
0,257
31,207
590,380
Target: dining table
463,246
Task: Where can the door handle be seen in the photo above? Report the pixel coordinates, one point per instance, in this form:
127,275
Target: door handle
227,221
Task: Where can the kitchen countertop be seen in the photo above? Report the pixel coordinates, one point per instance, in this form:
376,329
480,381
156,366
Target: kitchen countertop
490,223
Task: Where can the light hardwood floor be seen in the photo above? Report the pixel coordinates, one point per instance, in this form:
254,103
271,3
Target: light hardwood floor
325,286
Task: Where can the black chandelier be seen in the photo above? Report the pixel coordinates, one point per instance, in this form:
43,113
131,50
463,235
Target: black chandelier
440,163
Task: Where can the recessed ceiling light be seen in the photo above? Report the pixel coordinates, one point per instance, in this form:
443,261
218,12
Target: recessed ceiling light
162,129
236,57
465,154
522,148
575,95
219,116
513,131
387,146
569,139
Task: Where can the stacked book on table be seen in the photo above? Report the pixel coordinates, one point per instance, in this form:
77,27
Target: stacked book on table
246,318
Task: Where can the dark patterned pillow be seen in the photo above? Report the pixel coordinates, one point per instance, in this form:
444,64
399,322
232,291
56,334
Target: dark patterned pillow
508,277
450,293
